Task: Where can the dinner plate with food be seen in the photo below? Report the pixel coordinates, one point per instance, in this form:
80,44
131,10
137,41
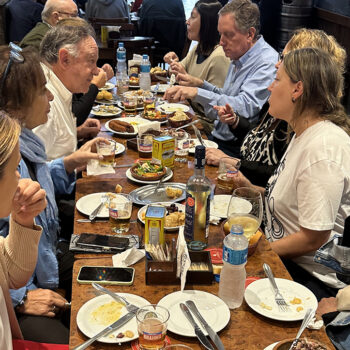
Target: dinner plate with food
161,88
106,97
175,215
127,126
148,172
107,86
171,192
207,143
157,116
121,105
102,110
101,311
173,107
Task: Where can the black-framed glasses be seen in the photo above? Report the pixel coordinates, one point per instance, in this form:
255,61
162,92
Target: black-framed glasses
15,56
69,14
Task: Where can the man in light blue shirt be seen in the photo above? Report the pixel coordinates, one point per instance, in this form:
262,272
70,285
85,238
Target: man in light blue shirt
251,72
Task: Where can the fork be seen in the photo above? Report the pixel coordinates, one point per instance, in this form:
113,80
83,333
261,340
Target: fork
281,303
93,215
129,307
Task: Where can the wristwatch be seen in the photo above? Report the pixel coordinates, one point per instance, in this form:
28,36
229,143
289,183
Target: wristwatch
21,303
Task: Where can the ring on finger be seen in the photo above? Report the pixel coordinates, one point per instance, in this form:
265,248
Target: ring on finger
53,309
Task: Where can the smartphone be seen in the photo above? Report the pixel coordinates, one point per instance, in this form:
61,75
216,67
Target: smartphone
106,275
105,243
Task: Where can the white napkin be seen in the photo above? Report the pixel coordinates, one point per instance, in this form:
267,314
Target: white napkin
151,125
183,258
315,323
127,258
93,168
214,220
113,28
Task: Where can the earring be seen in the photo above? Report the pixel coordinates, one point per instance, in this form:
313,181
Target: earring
293,99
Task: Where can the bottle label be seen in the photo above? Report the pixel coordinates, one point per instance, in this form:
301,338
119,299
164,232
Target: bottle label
189,217
145,68
121,55
235,257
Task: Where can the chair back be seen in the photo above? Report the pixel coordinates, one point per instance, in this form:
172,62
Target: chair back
125,30
97,23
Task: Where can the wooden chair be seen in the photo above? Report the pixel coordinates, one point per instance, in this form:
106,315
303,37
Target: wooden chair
97,23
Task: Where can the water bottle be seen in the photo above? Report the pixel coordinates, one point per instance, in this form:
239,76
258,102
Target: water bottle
121,59
145,76
233,275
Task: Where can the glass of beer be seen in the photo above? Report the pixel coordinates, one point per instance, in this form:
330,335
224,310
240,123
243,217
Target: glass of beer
107,150
182,146
228,170
149,102
152,323
145,145
130,104
120,206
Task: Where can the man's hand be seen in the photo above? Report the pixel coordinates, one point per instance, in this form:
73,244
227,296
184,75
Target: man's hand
185,79
170,56
178,93
213,155
28,202
226,114
109,70
176,68
100,79
326,305
79,158
89,129
42,302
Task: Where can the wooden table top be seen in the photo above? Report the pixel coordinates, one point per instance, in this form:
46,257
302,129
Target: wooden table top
246,330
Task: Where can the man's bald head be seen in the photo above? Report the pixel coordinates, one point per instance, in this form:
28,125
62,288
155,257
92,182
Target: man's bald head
55,10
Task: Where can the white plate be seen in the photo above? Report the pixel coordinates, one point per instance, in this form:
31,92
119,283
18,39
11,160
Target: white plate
207,143
212,308
130,177
143,210
120,105
88,203
113,101
95,111
261,291
134,121
162,88
173,107
271,346
90,329
219,205
119,148
108,86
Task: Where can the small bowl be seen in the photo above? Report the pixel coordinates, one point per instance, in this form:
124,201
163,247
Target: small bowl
253,242
179,123
285,344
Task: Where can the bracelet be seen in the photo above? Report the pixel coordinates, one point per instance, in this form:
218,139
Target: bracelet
21,303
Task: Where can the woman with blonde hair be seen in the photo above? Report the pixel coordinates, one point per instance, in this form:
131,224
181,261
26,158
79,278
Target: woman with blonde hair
23,199
308,197
264,143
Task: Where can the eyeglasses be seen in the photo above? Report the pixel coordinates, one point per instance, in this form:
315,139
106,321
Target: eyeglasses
15,56
280,56
75,14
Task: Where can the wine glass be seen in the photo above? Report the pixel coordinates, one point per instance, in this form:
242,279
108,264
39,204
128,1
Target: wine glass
245,209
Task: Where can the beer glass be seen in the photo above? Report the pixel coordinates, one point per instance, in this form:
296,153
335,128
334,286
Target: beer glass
145,145
130,104
120,206
228,170
149,102
152,323
107,150
182,144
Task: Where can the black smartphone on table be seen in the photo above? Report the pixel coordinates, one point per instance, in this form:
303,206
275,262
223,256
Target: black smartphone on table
106,275
103,242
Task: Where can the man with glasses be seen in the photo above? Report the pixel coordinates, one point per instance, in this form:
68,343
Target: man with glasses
54,11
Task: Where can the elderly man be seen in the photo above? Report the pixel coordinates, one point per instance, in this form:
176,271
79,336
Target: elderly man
69,54
250,73
54,11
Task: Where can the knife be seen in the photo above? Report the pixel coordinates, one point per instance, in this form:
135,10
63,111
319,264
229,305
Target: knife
113,327
186,125
198,135
213,336
93,215
200,335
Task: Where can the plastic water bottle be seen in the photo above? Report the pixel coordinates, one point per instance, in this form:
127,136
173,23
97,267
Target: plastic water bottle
233,274
145,76
121,59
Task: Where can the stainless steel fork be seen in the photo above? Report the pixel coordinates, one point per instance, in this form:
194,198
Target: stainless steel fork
281,303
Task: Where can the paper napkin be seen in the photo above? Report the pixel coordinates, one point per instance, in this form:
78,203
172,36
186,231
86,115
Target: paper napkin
93,168
128,258
183,258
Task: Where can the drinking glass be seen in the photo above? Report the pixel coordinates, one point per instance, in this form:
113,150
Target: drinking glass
130,104
145,145
152,323
182,145
120,206
228,170
245,209
107,150
149,102
122,85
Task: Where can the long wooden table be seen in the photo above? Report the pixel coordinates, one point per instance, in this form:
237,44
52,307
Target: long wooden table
246,330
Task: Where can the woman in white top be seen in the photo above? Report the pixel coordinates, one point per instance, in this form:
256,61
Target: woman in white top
308,197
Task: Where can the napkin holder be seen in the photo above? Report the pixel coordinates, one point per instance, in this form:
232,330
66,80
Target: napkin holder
164,272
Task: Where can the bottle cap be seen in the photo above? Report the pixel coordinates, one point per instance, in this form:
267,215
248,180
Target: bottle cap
145,57
121,44
237,229
199,156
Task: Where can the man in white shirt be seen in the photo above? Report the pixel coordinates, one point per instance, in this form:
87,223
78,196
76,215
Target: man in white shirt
69,54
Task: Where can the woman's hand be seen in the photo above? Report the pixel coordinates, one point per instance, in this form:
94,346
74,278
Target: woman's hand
90,128
226,114
188,80
28,202
42,302
213,155
79,158
177,67
170,57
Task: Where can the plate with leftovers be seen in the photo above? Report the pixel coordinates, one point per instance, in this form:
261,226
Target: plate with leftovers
260,296
105,110
213,309
130,176
127,126
107,86
161,89
175,216
119,148
120,105
207,143
99,312
106,97
173,107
